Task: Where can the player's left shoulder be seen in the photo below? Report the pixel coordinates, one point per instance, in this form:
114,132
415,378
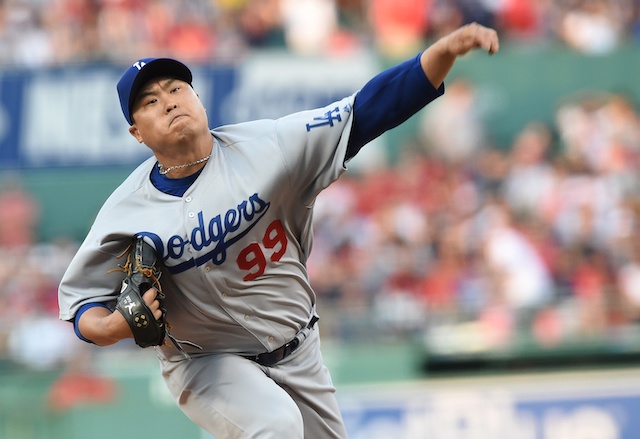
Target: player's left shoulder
331,117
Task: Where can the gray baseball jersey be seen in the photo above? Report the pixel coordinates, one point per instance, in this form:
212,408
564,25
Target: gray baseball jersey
235,244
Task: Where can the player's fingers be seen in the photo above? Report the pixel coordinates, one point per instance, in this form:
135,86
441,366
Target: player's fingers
475,35
490,41
154,305
157,313
149,298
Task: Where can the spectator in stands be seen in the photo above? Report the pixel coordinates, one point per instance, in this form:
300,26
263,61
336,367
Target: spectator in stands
530,176
628,280
524,281
439,126
309,25
595,26
19,216
398,27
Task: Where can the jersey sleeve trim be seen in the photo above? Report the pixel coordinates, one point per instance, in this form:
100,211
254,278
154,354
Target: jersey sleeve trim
82,310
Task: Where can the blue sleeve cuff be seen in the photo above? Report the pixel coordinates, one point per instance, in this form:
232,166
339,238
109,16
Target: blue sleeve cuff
388,100
81,311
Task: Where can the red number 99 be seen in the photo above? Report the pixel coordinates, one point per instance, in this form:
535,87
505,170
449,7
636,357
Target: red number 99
253,259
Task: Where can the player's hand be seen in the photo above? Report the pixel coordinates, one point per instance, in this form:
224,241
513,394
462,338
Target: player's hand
117,327
150,299
472,36
104,327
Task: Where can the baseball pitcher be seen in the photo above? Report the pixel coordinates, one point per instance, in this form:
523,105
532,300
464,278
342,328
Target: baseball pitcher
201,251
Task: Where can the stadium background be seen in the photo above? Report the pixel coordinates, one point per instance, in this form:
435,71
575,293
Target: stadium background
429,329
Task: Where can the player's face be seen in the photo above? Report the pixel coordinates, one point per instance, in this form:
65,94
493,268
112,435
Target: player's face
167,111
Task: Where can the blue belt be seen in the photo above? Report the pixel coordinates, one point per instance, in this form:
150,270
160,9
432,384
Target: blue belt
269,359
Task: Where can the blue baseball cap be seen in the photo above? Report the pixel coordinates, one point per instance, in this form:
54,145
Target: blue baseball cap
141,72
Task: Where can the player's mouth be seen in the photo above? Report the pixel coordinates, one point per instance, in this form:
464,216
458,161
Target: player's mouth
176,117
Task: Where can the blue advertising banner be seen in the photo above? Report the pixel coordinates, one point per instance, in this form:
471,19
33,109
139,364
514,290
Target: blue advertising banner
569,407
72,117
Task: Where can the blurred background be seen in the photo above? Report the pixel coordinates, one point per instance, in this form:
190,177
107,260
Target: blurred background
477,269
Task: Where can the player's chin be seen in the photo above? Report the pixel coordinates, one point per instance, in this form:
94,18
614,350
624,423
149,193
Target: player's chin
182,126
183,131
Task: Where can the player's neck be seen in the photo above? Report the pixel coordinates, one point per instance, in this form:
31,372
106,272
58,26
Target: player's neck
185,169
183,165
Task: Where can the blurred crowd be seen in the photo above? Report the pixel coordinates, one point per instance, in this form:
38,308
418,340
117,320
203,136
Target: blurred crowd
460,242
29,273
37,33
471,246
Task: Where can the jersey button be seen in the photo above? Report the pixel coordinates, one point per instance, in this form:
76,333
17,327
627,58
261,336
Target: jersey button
270,339
247,316
188,199
207,268
191,214
224,295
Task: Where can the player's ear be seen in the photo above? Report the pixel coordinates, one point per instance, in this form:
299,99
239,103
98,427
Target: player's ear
133,130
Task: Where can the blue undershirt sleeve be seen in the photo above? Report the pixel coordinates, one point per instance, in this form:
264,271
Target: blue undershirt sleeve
81,311
387,100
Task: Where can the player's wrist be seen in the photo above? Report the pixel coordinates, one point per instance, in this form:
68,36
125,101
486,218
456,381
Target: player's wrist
103,327
116,327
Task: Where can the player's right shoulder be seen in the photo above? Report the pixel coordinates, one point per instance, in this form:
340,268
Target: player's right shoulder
136,181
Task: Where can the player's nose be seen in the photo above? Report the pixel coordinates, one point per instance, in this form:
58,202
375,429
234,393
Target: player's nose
171,107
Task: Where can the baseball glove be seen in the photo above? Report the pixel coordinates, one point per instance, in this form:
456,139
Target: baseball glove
142,274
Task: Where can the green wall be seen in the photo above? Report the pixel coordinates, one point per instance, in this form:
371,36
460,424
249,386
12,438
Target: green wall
68,198
528,82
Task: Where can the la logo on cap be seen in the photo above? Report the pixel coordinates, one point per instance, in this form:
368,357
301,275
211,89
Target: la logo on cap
139,64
